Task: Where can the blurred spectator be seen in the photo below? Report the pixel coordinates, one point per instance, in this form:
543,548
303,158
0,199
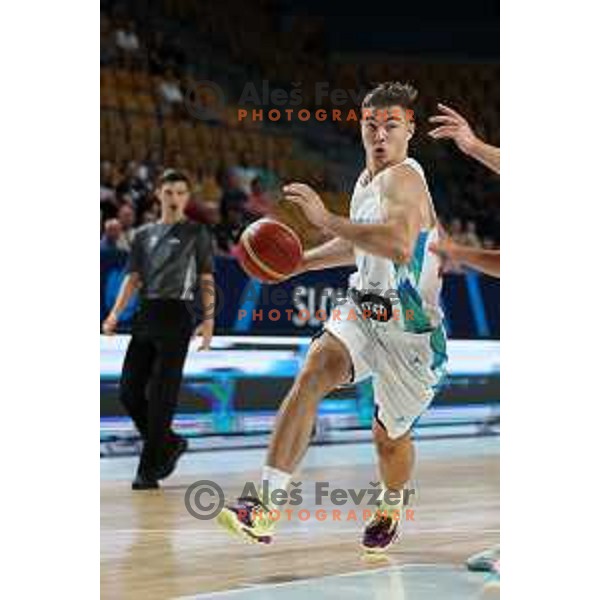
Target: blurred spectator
170,92
164,56
232,220
268,175
456,230
108,200
126,38
107,185
470,237
258,204
245,173
151,212
126,218
151,166
108,50
149,216
112,241
233,199
207,188
132,186
228,231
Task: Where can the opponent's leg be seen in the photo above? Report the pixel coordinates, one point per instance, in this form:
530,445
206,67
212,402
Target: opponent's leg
396,460
327,365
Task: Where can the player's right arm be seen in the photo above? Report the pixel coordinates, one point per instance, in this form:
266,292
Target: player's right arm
453,126
129,287
333,253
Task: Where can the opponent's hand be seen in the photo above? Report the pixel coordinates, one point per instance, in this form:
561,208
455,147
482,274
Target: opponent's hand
446,249
453,126
205,330
309,201
110,324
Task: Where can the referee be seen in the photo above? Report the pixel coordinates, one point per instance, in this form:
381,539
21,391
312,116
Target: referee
169,261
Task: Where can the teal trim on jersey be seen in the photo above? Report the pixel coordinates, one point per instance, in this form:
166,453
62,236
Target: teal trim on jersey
411,301
416,263
437,342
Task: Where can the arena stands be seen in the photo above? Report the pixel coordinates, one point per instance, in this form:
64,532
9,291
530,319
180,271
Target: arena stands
154,58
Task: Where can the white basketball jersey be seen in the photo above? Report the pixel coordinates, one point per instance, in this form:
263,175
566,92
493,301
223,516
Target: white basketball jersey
417,284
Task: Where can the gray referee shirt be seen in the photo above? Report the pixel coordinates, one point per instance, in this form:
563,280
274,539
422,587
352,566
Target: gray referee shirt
169,259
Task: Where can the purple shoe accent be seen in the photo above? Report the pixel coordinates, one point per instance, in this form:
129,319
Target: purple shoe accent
262,539
243,509
380,532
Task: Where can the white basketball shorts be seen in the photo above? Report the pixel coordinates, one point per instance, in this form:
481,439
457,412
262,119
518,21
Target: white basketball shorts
406,368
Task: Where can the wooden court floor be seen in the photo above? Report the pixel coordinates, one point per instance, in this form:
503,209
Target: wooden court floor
152,548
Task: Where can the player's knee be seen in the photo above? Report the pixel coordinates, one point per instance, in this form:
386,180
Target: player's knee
384,443
325,369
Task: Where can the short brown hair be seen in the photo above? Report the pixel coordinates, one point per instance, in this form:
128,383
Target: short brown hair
391,93
173,176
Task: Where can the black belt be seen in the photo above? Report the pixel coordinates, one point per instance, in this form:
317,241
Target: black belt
374,307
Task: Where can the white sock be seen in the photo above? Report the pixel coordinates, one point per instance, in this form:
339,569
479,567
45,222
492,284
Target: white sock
278,480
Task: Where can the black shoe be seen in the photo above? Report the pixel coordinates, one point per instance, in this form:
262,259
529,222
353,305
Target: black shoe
175,449
144,482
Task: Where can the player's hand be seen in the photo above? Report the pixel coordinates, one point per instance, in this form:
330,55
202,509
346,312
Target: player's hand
110,324
205,330
453,126
309,201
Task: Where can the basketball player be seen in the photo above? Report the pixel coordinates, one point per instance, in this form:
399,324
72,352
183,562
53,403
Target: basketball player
456,128
169,260
392,223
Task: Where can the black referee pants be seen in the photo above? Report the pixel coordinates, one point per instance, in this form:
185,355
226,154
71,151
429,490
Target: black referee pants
152,373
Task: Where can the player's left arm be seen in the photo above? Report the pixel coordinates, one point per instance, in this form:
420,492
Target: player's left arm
403,193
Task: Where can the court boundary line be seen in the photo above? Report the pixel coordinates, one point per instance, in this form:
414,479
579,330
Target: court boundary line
256,586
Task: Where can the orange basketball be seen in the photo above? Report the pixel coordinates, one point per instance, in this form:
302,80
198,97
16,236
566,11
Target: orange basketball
269,250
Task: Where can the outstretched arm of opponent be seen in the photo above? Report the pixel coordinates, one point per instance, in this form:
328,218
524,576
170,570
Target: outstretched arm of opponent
486,261
403,194
453,126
